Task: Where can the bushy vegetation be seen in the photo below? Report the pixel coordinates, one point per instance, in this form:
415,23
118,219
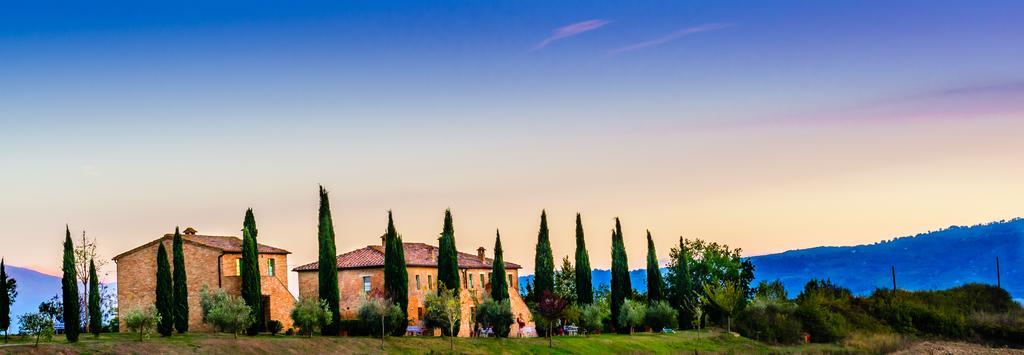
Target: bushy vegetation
379,317
310,314
496,315
829,313
225,312
631,315
140,321
660,315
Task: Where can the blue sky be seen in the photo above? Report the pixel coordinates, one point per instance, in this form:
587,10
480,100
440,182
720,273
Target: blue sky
127,118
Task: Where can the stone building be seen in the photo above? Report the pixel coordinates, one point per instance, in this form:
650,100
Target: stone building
361,271
212,261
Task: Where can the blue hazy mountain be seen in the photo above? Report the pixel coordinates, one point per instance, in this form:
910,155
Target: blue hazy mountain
934,260
33,288
927,261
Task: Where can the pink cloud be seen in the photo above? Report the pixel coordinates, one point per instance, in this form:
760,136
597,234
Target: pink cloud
670,37
571,30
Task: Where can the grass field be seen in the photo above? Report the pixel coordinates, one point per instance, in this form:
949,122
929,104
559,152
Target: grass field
682,342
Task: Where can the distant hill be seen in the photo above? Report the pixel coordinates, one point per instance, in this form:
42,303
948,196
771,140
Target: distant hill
33,288
927,261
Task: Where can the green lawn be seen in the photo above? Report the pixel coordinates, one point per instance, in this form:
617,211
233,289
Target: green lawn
682,342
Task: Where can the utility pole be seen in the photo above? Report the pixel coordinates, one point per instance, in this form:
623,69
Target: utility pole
894,280
999,281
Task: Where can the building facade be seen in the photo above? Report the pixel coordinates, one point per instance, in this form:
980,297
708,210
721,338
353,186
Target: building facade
361,271
212,262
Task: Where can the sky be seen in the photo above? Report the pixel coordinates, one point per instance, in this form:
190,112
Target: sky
767,126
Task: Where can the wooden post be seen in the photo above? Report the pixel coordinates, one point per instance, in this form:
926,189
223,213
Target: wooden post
894,280
999,281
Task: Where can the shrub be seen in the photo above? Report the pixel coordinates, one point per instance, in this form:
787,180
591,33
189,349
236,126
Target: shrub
36,324
274,327
141,320
631,315
378,312
225,312
310,314
877,343
660,315
770,321
497,315
998,329
443,308
290,332
593,316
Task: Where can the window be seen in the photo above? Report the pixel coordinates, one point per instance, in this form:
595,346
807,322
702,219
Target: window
270,267
430,282
470,280
510,281
366,284
464,279
419,313
472,314
418,282
238,267
482,283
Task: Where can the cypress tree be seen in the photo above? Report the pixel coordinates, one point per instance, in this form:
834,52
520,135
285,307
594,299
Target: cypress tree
251,292
396,276
655,285
680,287
180,284
164,293
447,256
584,287
621,286
5,301
327,269
499,285
448,261
544,263
95,315
69,291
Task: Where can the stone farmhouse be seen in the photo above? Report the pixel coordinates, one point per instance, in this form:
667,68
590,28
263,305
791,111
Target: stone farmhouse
361,272
213,262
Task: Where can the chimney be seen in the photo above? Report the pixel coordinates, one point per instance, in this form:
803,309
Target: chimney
480,253
382,237
189,231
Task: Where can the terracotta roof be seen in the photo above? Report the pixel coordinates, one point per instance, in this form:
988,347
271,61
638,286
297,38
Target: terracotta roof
227,244
416,254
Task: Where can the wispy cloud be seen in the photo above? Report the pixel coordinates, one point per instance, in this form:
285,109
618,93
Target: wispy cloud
670,37
571,30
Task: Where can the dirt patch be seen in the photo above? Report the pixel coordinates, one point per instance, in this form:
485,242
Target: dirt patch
951,348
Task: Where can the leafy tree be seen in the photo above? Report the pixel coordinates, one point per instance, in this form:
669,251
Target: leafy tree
660,315
592,316
448,261
309,314
621,285
632,315
681,293
727,296
231,314
7,287
767,292
544,264
95,314
565,281
550,309
53,308
396,275
497,315
180,284
381,317
711,263
141,320
655,285
37,325
69,291
584,286
443,309
327,269
164,293
499,285
251,290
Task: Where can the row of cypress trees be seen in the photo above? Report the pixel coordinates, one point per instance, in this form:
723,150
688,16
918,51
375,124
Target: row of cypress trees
621,286
171,289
